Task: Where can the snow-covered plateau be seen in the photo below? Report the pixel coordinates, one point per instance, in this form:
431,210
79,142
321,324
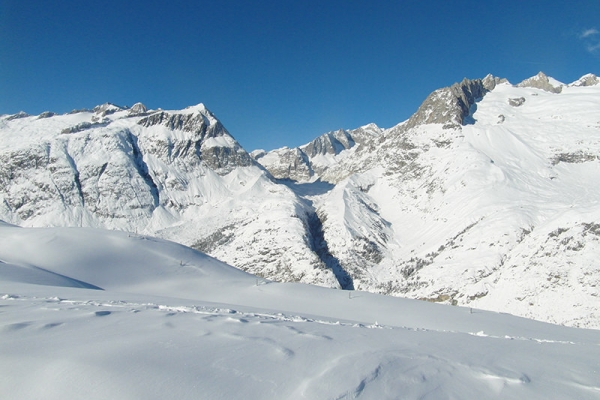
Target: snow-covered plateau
487,197
100,314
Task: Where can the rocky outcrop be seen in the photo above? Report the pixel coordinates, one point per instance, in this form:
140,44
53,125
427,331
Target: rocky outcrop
542,81
451,106
313,159
286,163
208,141
107,109
19,115
517,101
138,109
586,80
330,143
46,114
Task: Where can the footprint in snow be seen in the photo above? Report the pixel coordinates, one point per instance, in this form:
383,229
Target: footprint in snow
102,313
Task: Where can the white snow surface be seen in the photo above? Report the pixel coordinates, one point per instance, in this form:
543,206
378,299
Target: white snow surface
99,314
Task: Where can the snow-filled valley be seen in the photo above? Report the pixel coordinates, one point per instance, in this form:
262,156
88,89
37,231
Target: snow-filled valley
89,313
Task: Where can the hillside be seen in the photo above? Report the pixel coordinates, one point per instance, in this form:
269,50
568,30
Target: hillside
100,314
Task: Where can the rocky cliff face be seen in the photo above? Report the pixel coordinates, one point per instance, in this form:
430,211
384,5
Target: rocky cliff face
542,81
451,106
207,142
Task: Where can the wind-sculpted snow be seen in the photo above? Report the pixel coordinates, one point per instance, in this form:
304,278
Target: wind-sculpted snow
165,321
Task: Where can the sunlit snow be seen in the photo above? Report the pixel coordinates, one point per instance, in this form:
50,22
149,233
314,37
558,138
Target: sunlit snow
97,314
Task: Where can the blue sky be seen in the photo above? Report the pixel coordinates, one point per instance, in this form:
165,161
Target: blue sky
282,72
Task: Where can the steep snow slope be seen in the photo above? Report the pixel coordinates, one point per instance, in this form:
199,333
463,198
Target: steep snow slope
138,317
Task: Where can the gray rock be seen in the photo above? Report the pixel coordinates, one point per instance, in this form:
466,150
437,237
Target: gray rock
19,115
46,114
137,109
586,80
516,102
540,81
452,105
221,159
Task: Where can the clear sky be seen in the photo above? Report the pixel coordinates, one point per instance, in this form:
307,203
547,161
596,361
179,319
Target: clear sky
282,72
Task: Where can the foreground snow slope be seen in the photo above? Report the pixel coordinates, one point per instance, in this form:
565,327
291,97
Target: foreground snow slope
97,314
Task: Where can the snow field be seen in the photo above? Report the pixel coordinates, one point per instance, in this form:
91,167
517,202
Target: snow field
156,319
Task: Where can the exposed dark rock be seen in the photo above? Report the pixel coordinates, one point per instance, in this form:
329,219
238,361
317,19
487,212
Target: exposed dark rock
573,158
196,123
452,105
107,109
46,114
516,102
19,115
79,110
78,128
540,81
329,143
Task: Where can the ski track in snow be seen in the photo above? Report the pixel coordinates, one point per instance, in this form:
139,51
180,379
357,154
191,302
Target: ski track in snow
124,306
270,355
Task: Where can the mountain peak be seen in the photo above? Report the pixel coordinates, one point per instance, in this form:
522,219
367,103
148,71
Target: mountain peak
544,82
137,109
107,109
451,105
586,80
200,108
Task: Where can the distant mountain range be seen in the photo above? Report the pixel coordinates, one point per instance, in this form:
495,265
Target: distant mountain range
486,197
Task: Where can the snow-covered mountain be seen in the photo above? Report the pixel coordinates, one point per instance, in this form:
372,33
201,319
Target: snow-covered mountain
308,162
95,314
175,174
486,197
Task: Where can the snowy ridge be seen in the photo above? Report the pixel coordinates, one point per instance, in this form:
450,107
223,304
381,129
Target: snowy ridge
308,162
157,319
